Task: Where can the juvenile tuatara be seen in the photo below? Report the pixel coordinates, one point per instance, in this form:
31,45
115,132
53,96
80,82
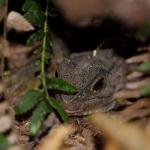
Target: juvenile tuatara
97,75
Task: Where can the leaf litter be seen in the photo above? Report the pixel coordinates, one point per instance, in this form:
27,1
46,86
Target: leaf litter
126,129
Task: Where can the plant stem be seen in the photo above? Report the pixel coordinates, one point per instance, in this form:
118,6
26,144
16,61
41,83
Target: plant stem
43,59
4,41
50,99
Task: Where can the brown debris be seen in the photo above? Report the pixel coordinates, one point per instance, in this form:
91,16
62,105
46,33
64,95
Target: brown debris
67,137
16,54
134,75
126,129
6,117
128,136
127,94
21,129
138,109
54,140
146,48
7,124
137,84
16,21
139,58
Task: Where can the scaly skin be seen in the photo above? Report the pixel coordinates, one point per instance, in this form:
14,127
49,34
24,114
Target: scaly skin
97,76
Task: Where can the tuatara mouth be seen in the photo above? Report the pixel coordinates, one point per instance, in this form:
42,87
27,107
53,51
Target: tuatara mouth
97,78
91,106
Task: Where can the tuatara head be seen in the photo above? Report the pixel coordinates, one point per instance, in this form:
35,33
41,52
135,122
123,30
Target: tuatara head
97,75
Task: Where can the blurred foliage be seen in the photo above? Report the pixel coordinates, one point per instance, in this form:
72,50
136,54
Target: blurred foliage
39,101
2,2
144,67
143,32
4,144
36,36
146,90
33,12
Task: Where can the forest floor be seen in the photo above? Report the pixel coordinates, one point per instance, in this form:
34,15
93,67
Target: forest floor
125,128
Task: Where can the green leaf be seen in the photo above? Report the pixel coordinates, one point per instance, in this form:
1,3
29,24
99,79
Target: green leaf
146,90
143,32
28,101
33,12
61,85
37,118
2,3
144,67
4,144
37,36
49,44
59,108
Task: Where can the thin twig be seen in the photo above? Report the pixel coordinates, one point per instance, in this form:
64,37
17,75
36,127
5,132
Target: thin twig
4,44
43,75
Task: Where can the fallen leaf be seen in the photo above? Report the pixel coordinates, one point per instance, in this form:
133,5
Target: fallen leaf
137,84
17,22
54,140
129,136
134,75
139,58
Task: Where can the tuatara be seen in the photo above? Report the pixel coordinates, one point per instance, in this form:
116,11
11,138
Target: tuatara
98,75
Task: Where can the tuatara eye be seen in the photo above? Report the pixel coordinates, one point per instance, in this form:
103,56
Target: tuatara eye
98,85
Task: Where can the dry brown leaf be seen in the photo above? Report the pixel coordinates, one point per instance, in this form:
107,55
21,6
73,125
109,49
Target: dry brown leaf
134,75
147,127
137,84
4,107
17,22
5,123
6,117
112,145
19,82
127,94
16,54
15,148
16,49
138,109
146,48
12,138
81,139
54,140
129,136
139,58
73,140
